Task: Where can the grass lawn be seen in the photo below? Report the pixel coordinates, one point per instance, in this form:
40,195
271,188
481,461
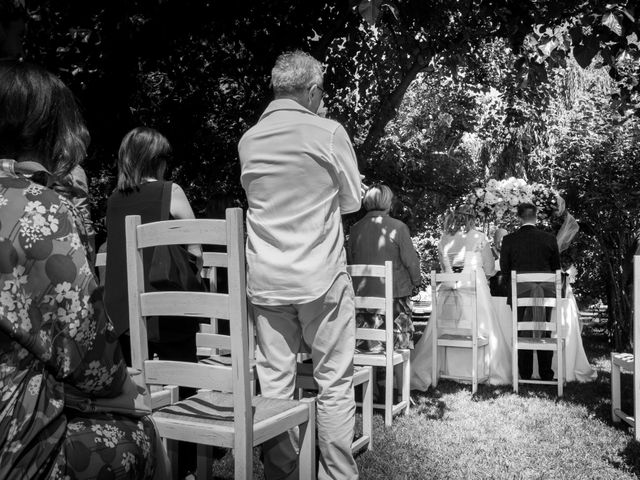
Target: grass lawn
496,434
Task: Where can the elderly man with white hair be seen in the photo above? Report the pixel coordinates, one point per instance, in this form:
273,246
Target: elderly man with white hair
300,174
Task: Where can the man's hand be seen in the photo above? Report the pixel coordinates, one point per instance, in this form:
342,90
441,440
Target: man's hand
363,188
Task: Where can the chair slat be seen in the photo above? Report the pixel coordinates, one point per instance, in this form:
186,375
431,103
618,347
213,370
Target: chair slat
371,334
186,374
548,277
213,340
372,303
101,259
366,270
455,277
215,259
540,326
536,302
182,232
189,304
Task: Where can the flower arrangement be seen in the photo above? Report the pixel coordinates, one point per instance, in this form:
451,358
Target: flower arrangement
496,203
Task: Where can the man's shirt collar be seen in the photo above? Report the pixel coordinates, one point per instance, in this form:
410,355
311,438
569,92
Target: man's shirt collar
284,104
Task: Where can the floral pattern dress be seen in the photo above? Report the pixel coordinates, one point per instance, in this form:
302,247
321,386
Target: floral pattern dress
55,337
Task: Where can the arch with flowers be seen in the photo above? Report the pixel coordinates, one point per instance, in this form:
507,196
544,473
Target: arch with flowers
497,202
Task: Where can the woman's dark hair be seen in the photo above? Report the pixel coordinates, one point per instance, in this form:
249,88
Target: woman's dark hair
40,119
143,153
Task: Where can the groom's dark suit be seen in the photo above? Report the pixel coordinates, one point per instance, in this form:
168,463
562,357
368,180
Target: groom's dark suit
530,250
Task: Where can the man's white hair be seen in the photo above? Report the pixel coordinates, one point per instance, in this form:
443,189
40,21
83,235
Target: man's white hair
294,72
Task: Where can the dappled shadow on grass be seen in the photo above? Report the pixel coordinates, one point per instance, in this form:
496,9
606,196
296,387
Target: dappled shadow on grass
429,404
631,455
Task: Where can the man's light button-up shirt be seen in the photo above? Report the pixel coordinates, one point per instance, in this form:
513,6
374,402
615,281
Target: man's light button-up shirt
300,173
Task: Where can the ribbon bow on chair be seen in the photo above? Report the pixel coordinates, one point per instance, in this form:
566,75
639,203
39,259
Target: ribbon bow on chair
452,299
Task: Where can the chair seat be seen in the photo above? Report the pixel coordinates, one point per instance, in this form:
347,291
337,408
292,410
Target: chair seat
208,415
529,343
623,360
453,340
379,359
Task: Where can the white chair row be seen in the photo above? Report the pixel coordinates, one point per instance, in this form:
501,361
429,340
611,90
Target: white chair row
463,332
229,414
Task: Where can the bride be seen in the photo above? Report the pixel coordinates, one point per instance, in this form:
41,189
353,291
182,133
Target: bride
463,248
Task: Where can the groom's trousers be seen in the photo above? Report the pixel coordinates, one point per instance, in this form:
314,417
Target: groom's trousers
525,357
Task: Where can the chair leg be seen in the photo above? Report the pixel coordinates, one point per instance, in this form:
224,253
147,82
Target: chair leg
243,462
514,367
388,396
615,390
307,457
406,374
434,367
474,370
367,408
172,452
561,355
205,456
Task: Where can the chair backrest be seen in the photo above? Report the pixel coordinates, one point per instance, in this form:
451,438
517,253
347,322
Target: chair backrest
549,281
382,305
206,343
454,304
209,341
231,306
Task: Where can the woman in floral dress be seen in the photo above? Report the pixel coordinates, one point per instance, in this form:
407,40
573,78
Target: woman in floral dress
55,339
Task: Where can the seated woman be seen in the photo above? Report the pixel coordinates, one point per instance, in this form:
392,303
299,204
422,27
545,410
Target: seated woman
461,249
141,190
54,335
373,240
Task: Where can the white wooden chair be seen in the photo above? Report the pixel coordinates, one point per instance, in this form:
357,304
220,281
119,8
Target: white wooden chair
456,332
555,343
628,362
362,376
390,357
224,413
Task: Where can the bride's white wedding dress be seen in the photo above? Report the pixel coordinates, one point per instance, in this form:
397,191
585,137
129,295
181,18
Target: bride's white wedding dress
465,251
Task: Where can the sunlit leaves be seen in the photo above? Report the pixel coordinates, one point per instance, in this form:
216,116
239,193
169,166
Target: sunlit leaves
613,21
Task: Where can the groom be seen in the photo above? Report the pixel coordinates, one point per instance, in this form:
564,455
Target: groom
530,250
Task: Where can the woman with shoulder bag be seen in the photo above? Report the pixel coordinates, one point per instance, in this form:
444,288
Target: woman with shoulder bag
142,190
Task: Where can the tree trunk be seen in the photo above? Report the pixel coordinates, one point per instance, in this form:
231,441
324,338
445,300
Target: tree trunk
619,300
387,111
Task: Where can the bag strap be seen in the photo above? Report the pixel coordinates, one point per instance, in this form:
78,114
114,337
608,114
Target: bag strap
166,200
